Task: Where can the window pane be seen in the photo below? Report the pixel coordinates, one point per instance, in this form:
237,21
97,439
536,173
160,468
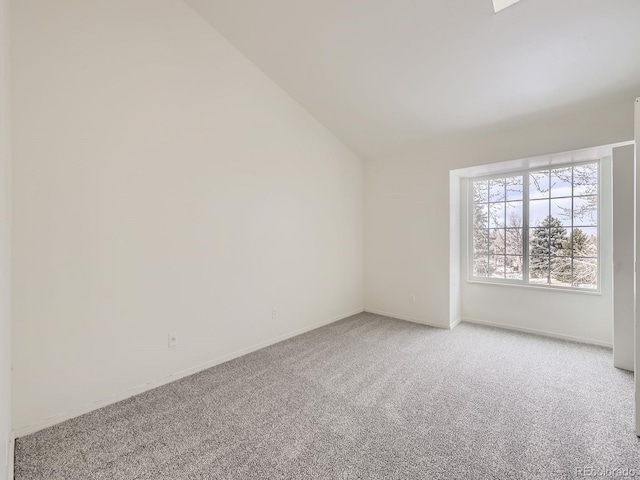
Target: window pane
585,272
539,185
539,270
514,188
538,211
513,267
561,271
585,211
561,210
496,215
561,182
514,214
496,266
480,266
497,190
585,179
480,191
496,241
514,240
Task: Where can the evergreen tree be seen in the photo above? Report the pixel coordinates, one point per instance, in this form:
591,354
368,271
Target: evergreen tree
548,239
580,245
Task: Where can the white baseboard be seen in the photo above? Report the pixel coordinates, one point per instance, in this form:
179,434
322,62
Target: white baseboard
81,410
455,323
408,319
538,332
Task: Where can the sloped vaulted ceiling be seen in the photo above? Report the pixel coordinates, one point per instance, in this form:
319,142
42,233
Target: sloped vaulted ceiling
383,75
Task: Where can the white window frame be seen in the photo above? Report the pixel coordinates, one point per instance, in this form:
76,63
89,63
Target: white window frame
525,227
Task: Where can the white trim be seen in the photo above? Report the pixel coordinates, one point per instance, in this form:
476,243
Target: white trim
636,358
538,332
11,449
81,410
549,288
408,319
455,323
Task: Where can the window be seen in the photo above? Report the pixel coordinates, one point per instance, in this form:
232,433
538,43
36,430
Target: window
538,227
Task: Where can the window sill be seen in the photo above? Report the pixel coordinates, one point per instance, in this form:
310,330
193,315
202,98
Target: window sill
537,287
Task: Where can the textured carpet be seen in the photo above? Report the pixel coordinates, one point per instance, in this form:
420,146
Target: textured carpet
366,397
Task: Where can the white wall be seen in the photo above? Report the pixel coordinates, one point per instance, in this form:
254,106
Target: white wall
5,323
162,183
623,254
407,227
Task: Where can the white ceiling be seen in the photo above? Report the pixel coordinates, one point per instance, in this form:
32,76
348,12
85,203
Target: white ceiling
384,75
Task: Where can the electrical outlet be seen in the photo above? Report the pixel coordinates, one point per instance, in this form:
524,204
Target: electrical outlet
173,340
275,312
413,298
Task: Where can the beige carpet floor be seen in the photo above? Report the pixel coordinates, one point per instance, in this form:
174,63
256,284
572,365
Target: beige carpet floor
368,397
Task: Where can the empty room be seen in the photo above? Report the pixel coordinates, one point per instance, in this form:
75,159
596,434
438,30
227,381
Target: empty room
338,239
